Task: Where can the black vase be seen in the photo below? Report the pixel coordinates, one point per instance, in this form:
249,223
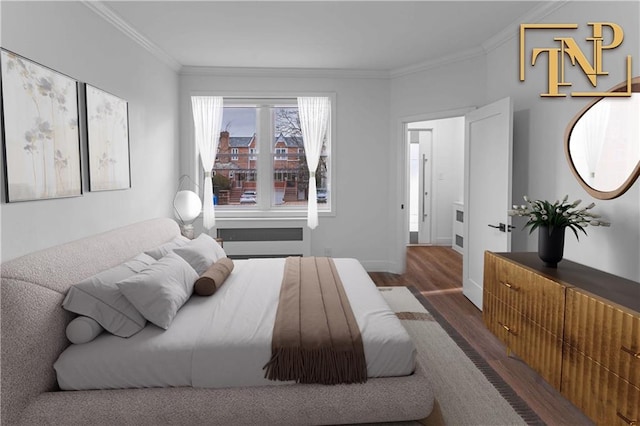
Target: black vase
551,244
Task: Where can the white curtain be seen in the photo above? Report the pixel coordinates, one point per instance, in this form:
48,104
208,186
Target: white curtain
207,120
314,115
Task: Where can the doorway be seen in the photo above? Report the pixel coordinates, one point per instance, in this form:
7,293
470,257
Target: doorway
435,161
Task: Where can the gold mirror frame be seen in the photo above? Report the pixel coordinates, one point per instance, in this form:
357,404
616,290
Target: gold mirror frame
601,195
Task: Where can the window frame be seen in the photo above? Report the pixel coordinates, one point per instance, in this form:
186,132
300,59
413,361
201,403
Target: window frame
264,209
234,154
281,154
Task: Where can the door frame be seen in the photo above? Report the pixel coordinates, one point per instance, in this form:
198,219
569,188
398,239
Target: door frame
400,238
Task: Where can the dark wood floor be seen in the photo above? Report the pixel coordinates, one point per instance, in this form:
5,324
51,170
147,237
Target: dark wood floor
437,273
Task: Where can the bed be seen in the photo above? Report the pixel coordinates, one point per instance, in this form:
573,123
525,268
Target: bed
33,339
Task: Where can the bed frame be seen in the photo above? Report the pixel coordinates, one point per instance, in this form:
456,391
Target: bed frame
33,336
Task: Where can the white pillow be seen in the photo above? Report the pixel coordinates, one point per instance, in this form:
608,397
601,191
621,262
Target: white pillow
99,298
160,290
83,329
164,249
201,253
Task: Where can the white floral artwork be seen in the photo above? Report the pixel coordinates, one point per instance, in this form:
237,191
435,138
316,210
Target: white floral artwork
108,139
41,135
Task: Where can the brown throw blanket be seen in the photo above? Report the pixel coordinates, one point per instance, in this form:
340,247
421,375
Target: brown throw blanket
316,338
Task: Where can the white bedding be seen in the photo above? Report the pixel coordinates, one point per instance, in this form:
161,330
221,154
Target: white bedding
225,340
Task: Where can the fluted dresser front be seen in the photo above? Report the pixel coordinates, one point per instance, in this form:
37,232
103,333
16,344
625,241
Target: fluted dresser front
578,327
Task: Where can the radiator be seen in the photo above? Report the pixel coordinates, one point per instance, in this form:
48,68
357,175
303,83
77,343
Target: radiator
256,240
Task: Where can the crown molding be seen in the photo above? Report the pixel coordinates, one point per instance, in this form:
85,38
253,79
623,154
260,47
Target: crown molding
435,63
283,72
114,19
535,15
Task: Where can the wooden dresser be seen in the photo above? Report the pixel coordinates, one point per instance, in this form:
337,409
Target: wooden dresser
578,327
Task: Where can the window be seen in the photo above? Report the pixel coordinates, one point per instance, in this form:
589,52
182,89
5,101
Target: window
261,164
281,153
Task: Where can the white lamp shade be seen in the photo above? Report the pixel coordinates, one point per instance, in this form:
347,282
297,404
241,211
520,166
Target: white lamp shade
187,206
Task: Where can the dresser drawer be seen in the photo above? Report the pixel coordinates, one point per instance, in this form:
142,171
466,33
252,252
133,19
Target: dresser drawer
499,318
602,395
536,297
606,333
538,348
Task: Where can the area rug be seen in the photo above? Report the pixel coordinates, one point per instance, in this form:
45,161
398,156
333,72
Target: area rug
467,389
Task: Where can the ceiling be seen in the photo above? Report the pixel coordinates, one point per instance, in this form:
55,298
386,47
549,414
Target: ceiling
346,35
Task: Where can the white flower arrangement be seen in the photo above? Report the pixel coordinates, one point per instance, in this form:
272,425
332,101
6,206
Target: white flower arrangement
558,214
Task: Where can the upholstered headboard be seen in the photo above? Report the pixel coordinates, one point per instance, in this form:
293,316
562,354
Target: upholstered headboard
32,320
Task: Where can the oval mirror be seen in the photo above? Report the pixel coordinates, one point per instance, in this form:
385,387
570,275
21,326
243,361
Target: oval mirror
602,143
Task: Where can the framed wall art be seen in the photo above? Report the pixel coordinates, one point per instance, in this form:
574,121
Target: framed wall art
40,131
108,140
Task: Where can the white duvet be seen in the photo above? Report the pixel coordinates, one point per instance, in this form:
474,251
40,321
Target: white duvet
225,340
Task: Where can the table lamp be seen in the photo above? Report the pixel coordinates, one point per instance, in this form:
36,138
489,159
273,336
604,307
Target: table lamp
187,206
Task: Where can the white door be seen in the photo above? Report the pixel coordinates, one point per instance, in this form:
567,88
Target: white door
487,190
420,186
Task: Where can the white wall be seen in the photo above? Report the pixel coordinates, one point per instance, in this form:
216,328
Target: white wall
447,173
540,167
360,227
71,39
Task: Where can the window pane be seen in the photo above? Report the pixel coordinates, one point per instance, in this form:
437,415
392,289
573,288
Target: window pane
291,175
283,171
235,168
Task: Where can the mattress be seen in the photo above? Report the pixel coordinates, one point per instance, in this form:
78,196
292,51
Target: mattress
225,340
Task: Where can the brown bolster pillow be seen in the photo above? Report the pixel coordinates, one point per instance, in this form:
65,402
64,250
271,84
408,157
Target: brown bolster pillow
212,278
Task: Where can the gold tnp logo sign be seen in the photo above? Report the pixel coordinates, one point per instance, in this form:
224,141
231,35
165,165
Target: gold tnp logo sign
568,48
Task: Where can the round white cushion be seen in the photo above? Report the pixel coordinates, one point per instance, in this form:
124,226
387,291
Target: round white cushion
83,329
